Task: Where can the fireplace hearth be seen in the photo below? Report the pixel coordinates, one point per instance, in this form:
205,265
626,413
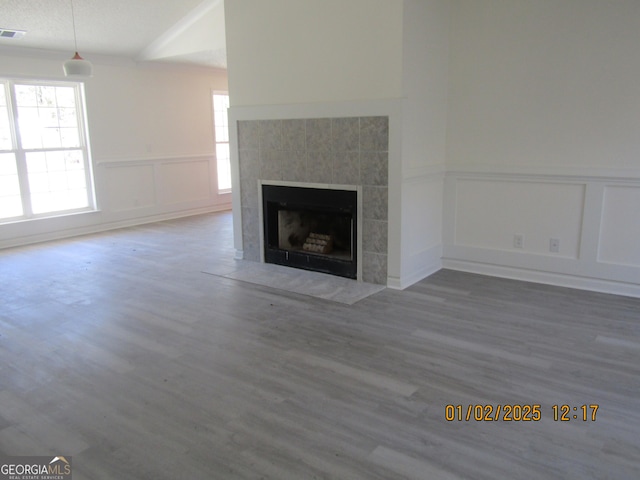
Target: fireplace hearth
311,228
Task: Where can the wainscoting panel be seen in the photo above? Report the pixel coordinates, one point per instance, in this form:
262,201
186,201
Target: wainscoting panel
595,218
156,185
489,213
129,187
620,231
180,182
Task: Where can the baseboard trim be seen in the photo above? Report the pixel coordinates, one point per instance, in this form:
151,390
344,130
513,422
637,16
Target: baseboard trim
396,283
428,262
548,278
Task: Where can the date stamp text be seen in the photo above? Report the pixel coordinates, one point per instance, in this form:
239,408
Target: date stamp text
519,412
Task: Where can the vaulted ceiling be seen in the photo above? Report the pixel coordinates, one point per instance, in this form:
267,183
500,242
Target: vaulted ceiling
182,31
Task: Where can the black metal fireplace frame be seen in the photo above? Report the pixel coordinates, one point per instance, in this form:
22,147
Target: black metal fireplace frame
280,197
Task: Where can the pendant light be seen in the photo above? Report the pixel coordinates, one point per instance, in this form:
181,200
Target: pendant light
77,66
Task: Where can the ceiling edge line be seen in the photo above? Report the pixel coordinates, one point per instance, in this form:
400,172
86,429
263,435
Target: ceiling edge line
152,51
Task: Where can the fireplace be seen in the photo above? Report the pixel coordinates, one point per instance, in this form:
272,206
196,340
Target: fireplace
311,228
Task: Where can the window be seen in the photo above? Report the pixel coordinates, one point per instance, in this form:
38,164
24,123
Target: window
221,125
44,164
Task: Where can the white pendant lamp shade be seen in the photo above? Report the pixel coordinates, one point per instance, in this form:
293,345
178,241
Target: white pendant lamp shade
77,67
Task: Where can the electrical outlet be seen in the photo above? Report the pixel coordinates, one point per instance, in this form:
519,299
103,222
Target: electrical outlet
518,241
554,245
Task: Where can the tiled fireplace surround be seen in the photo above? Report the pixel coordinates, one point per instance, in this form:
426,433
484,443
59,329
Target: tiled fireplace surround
344,150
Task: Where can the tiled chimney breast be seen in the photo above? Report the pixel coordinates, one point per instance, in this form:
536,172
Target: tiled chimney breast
353,151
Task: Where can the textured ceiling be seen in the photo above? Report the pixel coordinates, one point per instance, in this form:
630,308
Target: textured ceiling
110,27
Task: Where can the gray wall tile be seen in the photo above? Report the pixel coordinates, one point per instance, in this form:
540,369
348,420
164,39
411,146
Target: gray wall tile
374,236
346,168
345,134
294,135
374,268
375,168
249,192
271,164
318,134
374,134
249,160
270,134
249,175
319,166
248,134
250,234
294,165
375,203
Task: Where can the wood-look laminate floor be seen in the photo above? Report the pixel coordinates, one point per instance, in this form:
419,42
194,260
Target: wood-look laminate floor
117,350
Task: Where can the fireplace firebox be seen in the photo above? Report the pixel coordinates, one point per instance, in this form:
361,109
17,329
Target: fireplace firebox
311,228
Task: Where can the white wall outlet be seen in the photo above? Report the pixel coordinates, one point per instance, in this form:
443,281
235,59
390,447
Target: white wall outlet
518,241
554,245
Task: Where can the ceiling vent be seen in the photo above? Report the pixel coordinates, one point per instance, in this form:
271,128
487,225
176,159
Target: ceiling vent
6,33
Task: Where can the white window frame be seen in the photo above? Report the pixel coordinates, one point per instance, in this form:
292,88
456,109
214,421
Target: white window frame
217,141
20,153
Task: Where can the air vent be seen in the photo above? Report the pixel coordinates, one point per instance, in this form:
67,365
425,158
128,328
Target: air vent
6,33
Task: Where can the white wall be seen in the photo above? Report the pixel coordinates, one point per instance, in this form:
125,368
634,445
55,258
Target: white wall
545,83
542,140
423,132
151,135
288,51
425,53
151,110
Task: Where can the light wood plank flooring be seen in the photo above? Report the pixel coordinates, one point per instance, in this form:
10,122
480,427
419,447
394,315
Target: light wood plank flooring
117,350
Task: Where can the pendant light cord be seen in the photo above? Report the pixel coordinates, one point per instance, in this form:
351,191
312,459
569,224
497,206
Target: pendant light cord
73,21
